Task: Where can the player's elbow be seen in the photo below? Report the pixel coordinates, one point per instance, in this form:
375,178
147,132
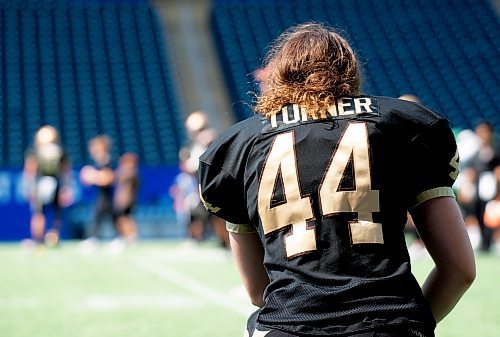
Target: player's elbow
463,273
466,270
256,296
468,274
257,300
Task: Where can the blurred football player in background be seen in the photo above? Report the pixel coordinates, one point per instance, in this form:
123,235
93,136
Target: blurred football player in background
201,136
485,161
100,175
125,194
47,173
315,189
185,194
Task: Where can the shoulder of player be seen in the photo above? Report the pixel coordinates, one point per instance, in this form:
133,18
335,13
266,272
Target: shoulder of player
238,135
248,128
245,130
404,113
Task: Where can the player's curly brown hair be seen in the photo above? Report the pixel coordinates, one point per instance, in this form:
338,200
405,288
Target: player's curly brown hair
309,65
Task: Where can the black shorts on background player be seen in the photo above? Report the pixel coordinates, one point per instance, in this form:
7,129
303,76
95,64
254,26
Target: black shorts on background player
103,209
336,270
48,179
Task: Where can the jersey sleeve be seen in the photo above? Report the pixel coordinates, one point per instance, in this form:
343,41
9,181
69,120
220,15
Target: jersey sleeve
435,162
221,176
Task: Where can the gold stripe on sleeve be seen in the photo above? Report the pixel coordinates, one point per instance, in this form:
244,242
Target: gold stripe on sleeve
239,228
437,192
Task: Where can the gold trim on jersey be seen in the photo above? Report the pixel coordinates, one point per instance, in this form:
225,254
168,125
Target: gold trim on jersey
239,228
455,162
211,208
437,192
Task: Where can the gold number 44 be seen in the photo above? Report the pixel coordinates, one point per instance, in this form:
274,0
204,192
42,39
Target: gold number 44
297,210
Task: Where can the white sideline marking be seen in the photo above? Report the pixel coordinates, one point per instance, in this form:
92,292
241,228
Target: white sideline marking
195,287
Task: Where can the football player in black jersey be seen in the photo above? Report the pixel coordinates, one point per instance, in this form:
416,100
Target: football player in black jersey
315,190
100,175
47,172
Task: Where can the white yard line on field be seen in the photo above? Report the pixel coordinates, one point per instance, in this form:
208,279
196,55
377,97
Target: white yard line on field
194,286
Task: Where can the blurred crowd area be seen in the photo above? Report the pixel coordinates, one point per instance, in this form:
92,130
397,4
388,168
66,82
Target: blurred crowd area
477,185
48,182
477,189
49,186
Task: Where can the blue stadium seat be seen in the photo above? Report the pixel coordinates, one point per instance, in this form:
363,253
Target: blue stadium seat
445,52
87,67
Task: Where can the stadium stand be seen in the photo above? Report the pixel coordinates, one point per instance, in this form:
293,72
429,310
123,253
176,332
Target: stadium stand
445,52
86,67
102,66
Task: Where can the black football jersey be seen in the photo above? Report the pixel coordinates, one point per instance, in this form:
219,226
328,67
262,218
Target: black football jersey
50,159
328,197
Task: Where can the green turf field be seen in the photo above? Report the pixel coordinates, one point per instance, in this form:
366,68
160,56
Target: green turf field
167,289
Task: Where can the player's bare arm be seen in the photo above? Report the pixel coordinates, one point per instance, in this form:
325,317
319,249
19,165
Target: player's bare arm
249,256
442,228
